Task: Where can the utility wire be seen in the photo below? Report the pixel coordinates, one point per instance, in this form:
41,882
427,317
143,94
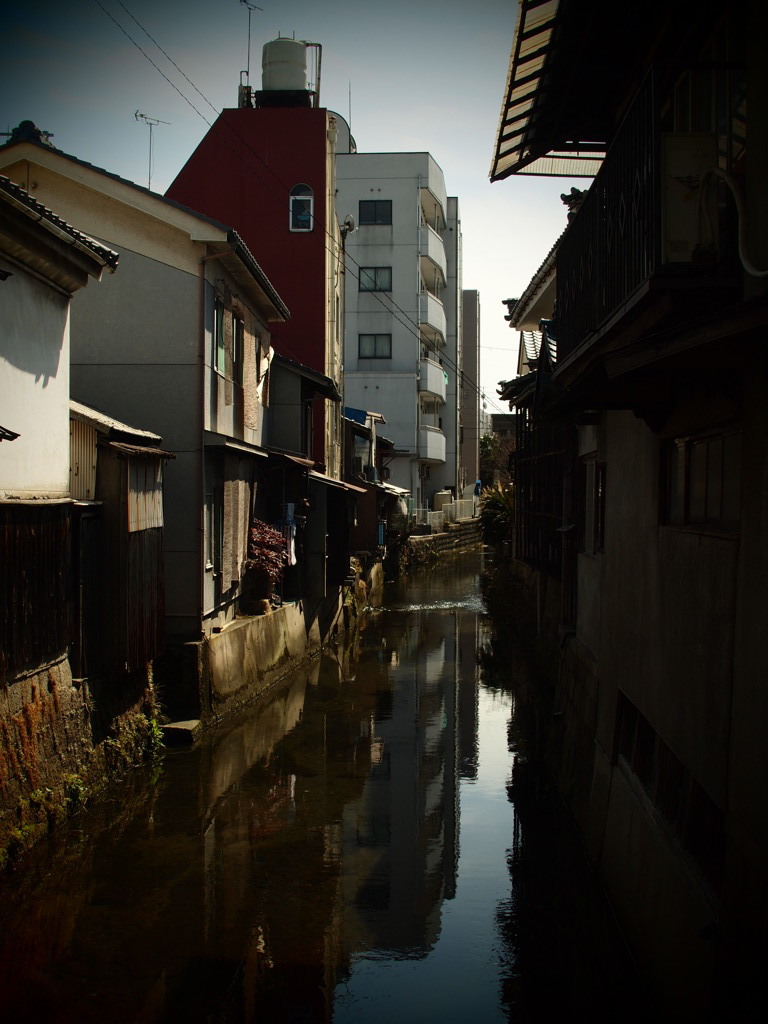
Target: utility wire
410,325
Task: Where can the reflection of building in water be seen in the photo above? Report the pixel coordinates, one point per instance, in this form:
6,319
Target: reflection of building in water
400,837
468,644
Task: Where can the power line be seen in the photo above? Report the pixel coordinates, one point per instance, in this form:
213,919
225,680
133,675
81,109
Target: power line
410,325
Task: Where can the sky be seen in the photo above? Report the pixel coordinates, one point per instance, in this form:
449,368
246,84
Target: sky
410,75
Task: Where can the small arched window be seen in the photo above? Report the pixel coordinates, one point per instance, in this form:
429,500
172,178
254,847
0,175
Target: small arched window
302,199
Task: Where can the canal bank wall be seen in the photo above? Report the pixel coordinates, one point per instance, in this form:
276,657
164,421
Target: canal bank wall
421,549
253,653
618,779
250,655
62,741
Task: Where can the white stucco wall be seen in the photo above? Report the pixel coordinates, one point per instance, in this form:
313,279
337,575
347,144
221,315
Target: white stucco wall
34,388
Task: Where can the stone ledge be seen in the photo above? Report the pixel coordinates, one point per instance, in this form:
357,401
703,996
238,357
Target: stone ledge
182,734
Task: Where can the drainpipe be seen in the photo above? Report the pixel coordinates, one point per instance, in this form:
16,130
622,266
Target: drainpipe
199,468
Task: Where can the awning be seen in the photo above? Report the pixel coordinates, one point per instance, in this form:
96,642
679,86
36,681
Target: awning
331,481
322,385
533,136
109,426
298,460
139,450
517,390
212,440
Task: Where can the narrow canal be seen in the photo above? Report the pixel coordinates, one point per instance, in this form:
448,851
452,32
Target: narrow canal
370,844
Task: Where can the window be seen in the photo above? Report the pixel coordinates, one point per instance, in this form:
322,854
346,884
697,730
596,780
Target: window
375,211
599,506
302,200
696,822
145,494
219,350
375,279
591,508
238,349
374,346
210,540
703,480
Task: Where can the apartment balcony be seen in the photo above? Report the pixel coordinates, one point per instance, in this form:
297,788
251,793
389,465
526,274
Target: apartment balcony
431,444
432,379
432,323
432,258
650,236
432,208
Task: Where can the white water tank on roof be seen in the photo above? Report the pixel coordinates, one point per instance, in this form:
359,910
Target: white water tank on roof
284,65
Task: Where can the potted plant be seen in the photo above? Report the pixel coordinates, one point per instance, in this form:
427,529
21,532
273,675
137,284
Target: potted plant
266,561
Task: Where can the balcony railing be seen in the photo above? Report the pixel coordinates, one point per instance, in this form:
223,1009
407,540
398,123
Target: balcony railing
434,264
431,444
432,378
432,323
617,241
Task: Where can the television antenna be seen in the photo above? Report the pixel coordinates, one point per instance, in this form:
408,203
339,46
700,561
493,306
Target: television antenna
151,122
251,7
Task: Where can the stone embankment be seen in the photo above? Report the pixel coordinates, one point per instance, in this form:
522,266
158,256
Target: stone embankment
423,549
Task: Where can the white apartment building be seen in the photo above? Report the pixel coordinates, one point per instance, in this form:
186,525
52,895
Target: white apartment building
403,311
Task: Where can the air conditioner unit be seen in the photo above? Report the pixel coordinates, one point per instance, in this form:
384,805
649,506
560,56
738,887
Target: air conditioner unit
689,198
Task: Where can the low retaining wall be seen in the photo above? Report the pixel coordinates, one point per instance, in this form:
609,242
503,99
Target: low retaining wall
253,652
60,743
422,549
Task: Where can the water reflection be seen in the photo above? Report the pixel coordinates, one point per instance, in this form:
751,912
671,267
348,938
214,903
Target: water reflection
342,853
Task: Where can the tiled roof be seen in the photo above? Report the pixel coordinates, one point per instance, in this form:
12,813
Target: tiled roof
532,344
21,196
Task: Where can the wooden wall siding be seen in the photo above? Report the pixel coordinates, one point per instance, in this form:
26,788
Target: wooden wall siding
145,604
133,597
237,516
145,494
539,463
85,656
35,570
82,461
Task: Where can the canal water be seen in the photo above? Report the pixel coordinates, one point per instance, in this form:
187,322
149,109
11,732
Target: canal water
372,843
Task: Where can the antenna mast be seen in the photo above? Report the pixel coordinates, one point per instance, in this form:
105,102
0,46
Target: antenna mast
251,7
151,121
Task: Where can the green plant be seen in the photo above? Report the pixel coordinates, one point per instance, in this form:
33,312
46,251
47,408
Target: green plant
154,737
497,514
490,447
74,791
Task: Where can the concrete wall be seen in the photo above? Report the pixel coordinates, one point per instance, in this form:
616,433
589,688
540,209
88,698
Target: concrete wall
34,388
452,356
671,618
470,405
390,386
251,653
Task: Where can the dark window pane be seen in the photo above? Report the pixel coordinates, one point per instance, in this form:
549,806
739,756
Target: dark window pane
714,478
301,214
375,211
375,279
697,480
676,482
731,478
